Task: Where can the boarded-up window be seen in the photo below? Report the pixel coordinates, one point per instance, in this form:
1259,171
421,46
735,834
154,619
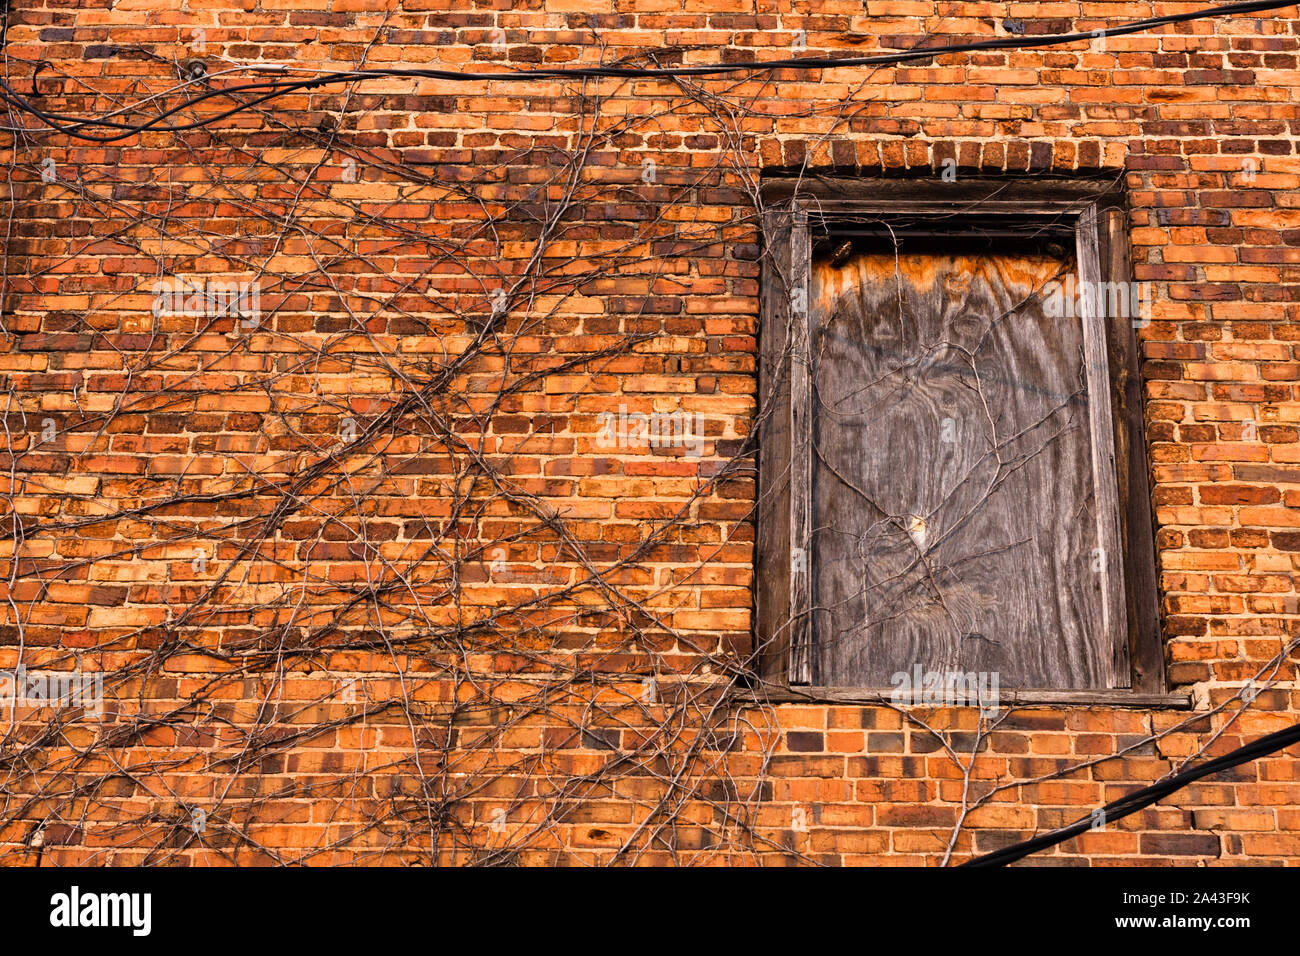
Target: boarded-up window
942,477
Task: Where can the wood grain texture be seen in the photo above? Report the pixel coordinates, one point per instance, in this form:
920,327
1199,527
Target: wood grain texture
955,520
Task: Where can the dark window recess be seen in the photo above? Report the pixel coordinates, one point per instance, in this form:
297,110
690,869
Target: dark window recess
952,468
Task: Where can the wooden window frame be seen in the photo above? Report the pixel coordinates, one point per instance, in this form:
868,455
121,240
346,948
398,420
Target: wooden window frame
1093,213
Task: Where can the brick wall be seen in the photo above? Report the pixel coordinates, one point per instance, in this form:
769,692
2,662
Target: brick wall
362,572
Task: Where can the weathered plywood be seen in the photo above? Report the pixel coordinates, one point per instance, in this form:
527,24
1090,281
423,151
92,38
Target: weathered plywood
955,521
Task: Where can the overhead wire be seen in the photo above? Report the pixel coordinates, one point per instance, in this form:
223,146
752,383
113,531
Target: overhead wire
266,90
1140,799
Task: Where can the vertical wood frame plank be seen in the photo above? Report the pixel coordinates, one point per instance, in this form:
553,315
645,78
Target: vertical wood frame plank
772,542
1109,555
1132,469
801,450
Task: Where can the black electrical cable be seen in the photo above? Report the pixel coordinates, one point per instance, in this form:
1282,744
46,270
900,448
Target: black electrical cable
271,89
1139,799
